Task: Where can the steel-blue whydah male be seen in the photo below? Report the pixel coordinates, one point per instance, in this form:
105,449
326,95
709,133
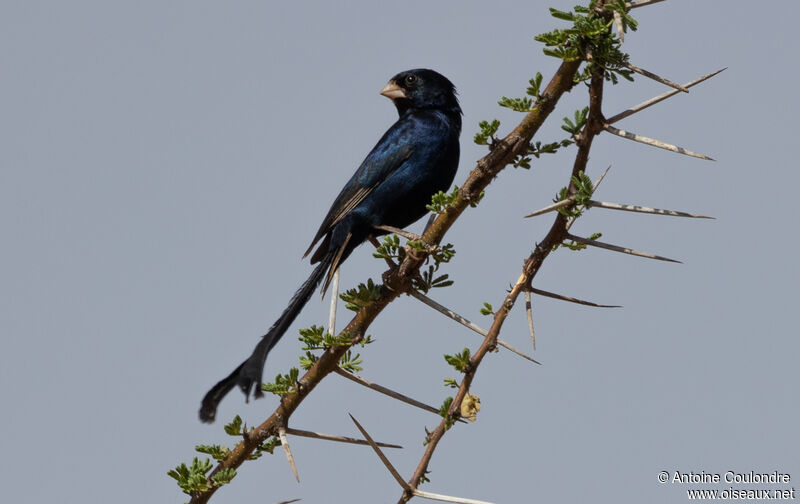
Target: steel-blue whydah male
415,158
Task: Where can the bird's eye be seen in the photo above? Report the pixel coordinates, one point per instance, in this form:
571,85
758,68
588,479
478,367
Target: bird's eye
411,79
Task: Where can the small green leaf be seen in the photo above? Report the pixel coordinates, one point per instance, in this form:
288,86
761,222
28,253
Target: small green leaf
450,382
459,361
235,427
488,129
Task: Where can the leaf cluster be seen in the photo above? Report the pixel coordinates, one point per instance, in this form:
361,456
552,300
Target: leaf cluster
441,201
283,384
590,38
524,104
574,128
459,361
488,129
363,295
192,478
583,189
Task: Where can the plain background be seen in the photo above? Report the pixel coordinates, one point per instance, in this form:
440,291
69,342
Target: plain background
165,164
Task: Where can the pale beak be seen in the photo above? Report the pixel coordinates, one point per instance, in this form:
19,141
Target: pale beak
393,91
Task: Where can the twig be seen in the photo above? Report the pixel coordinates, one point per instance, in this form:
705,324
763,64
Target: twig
652,141
659,98
570,299
466,323
644,209
288,451
331,437
616,248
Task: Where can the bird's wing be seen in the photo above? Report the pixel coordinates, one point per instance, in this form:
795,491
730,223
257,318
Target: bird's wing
391,151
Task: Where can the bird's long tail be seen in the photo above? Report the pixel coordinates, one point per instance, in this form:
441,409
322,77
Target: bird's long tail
248,374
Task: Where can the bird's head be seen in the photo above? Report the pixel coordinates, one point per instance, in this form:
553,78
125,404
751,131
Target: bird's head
422,88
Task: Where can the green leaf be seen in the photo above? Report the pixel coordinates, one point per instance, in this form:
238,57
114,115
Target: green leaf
192,478
487,309
566,16
223,476
459,361
441,201
488,129
445,407
235,427
516,104
217,452
269,445
283,384
363,295
350,362
521,161
535,85
450,382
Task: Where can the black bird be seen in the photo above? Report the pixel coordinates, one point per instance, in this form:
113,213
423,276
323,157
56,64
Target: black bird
415,158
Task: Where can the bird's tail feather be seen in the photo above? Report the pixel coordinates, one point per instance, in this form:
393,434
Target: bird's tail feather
248,374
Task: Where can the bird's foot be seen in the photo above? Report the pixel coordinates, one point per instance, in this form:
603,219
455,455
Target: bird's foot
409,236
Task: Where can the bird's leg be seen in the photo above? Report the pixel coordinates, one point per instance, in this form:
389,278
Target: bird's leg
400,232
409,236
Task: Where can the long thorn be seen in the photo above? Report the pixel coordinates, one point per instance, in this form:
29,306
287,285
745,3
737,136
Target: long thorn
392,470
659,98
644,209
620,27
653,142
529,313
642,3
386,391
466,323
615,248
655,77
553,207
338,439
288,451
334,299
446,498
570,299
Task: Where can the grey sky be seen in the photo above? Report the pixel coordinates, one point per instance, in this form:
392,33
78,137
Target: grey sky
163,165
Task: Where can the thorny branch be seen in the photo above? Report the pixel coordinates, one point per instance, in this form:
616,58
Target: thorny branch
398,279
554,237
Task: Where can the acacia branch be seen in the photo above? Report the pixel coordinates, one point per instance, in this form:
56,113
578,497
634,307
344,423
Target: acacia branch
554,237
399,280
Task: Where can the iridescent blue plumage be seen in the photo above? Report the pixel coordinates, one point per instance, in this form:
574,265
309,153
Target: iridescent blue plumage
415,158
